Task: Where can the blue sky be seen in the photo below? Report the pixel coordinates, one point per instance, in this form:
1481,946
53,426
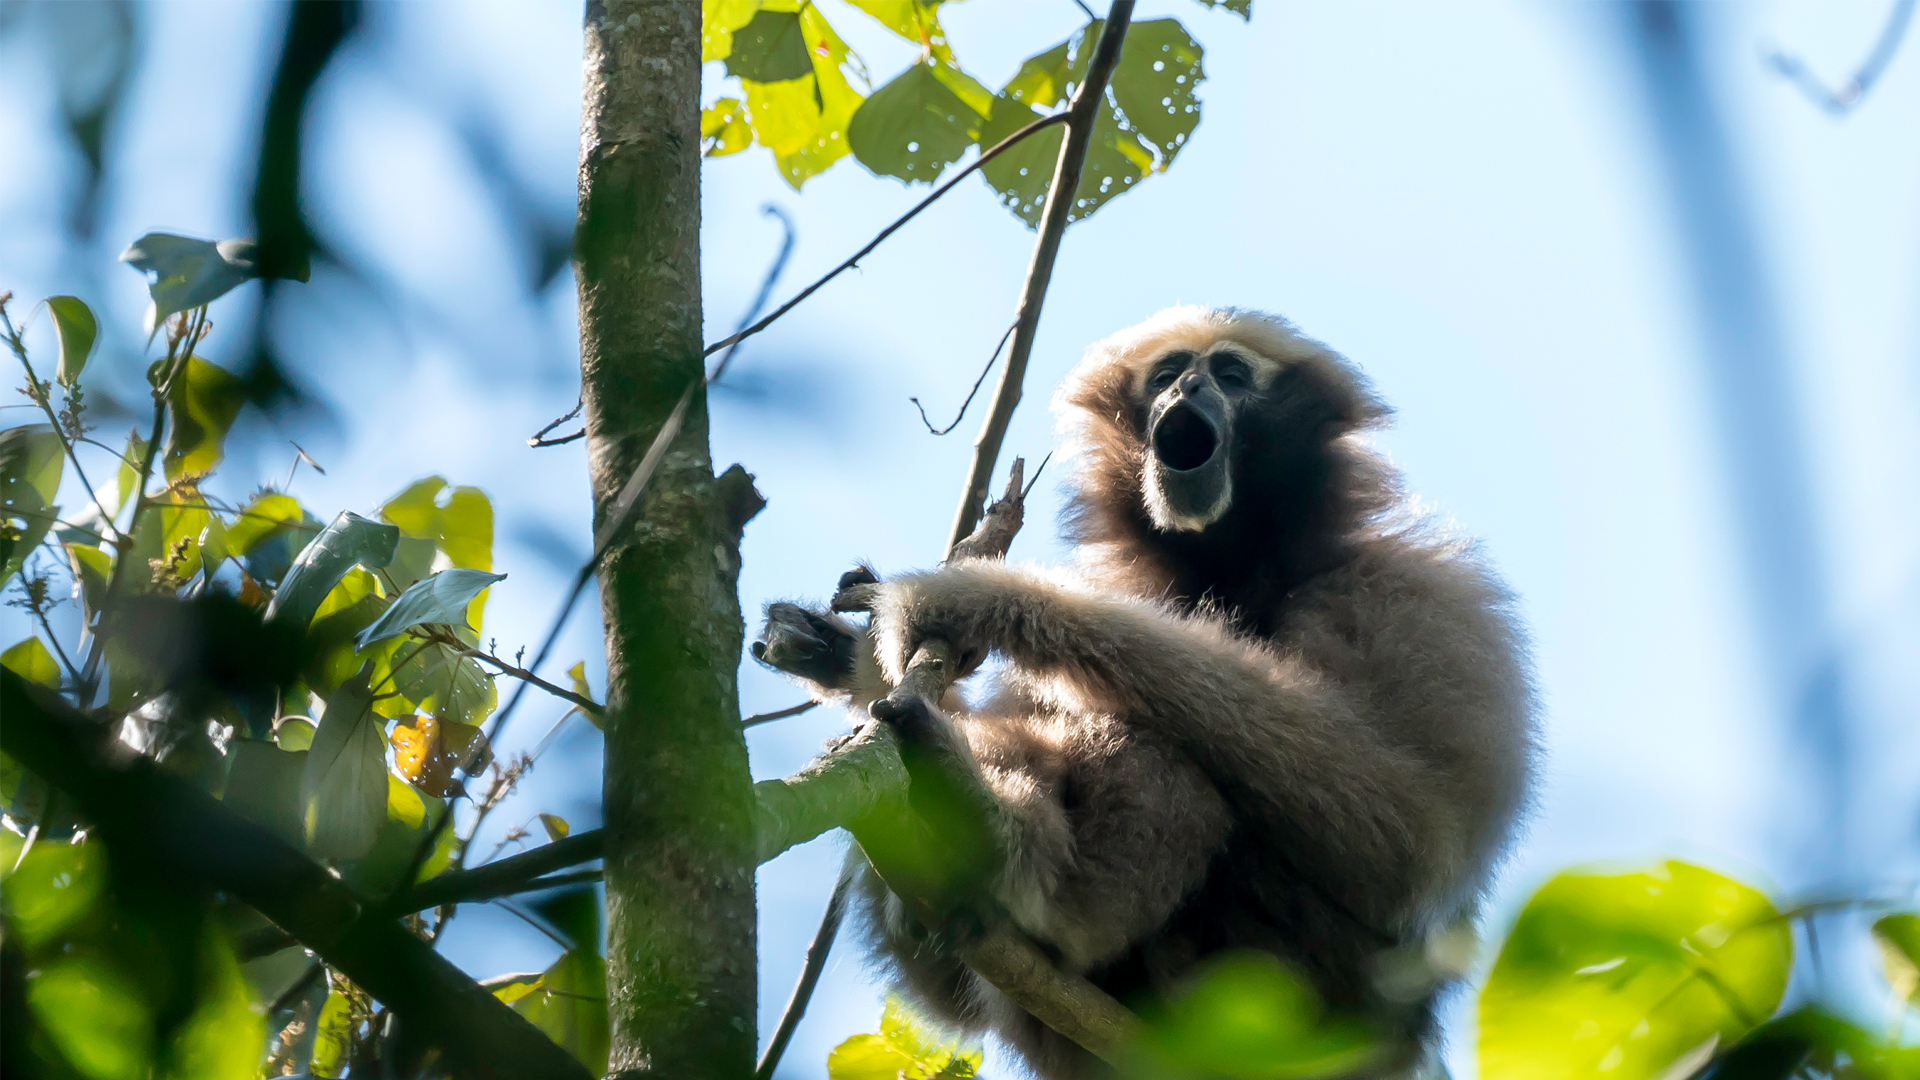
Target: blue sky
1464,198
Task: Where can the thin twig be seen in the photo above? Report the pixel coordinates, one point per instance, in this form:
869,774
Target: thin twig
39,394
1053,224
1844,98
505,668
778,714
538,438
997,149
1038,469
816,963
766,286
991,360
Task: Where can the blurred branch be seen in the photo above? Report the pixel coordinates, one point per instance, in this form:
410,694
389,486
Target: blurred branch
1844,98
977,383
778,714
816,962
135,804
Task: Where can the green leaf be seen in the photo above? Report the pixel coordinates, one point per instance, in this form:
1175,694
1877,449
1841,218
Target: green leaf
332,1036
724,125
350,540
1898,936
31,661
511,988
1616,976
222,1038
1242,8
913,127
77,329
440,681
96,1017
901,1051
1021,175
1245,1015
404,804
263,780
30,466
457,519
718,20
1153,85
804,121
188,272
91,569
570,1005
201,406
343,789
442,598
53,888
770,48
1043,78
294,733
267,514
129,474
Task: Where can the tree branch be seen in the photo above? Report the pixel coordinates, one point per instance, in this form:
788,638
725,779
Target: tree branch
135,804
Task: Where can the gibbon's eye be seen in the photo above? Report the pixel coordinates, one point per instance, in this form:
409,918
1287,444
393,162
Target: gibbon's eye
1232,371
1164,375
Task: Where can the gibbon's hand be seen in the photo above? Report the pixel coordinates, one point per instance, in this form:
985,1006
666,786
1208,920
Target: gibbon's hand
817,648
952,604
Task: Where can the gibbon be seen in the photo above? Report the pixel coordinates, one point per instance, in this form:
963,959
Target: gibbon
1270,707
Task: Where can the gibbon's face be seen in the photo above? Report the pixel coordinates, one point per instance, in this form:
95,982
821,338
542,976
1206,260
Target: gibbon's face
1194,399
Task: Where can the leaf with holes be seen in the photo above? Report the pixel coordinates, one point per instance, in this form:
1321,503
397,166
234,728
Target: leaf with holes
1242,8
77,329
913,127
724,127
439,680
770,48
1154,84
1619,975
718,20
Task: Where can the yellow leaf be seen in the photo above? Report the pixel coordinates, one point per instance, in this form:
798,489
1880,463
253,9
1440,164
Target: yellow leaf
718,20
31,661
556,826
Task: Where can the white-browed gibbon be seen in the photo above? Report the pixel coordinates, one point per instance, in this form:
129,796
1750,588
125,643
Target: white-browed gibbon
1268,708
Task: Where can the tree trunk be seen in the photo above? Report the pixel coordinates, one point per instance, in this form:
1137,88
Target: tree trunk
679,800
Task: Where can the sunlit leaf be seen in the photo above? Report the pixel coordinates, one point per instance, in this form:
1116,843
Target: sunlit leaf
201,406
1898,937
74,324
916,20
1154,82
294,733
1242,8
332,1036
441,681
913,127
53,888
718,20
804,121
350,540
95,1015
189,272
267,514
442,598
128,476
1245,1015
570,1005
91,568
459,520
1616,976
427,750
556,826
31,661
770,48
725,128
222,1038
511,988
30,466
578,673
901,1051
403,803
343,789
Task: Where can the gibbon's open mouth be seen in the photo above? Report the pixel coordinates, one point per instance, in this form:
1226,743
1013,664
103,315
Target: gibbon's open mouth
1184,439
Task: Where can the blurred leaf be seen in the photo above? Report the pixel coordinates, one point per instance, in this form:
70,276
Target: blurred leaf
30,466
322,563
223,1037
91,568
1618,975
294,733
442,598
31,661
263,780
458,519
77,329
901,1050
95,1015
570,1005
913,127
1245,1015
770,48
1810,1038
718,20
189,272
725,125
403,803
1898,937
441,681
555,825
578,673
212,641
332,1036
268,513
1242,8
52,889
511,988
426,751
129,473
201,406
343,789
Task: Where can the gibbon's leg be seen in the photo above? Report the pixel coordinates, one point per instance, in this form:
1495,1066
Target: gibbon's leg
1288,744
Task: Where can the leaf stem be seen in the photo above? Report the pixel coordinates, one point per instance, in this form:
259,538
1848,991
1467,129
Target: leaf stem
37,390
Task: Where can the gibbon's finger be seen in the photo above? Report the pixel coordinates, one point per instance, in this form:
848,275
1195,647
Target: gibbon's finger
856,597
862,574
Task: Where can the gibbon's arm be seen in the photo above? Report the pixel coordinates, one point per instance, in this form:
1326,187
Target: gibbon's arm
1287,744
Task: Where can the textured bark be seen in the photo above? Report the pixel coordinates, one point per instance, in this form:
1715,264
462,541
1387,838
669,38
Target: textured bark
679,800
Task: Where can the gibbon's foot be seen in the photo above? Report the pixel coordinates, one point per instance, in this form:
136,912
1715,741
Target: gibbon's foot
810,646
855,591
